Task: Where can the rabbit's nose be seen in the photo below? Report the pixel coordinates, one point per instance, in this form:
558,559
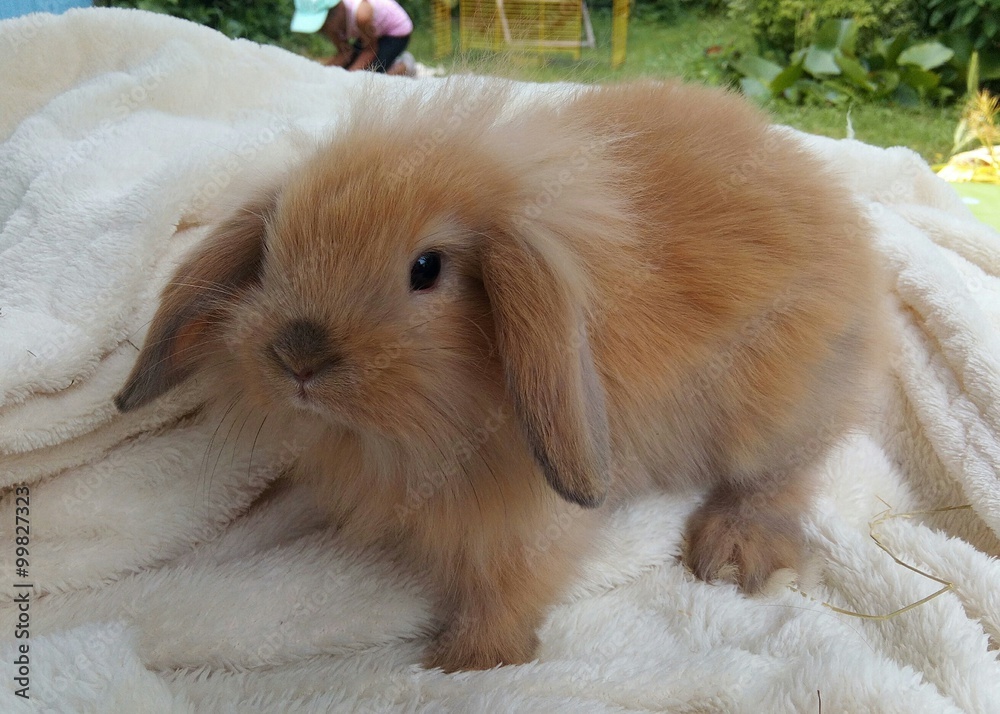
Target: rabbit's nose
303,350
303,373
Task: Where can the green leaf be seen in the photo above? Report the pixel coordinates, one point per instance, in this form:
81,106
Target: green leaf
757,68
895,48
840,87
926,55
920,79
828,95
788,76
885,82
837,35
754,88
855,72
969,14
990,25
810,88
794,93
906,96
834,97
989,64
820,63
961,45
962,137
972,78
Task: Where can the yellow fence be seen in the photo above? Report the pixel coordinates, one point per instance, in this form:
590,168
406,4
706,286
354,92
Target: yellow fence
542,26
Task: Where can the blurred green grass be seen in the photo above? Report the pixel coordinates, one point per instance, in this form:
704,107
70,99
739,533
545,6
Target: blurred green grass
983,199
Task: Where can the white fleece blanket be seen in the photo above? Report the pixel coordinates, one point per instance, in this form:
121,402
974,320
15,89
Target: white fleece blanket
171,574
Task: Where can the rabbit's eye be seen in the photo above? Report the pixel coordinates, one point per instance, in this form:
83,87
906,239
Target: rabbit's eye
425,270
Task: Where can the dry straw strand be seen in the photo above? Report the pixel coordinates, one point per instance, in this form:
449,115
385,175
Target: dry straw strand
881,518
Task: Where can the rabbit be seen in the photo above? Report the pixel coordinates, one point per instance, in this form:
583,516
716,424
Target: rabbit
500,318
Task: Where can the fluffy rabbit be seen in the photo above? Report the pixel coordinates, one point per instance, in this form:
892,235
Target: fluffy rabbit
499,322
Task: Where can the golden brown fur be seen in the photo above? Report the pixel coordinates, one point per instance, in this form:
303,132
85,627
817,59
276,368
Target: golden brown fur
643,287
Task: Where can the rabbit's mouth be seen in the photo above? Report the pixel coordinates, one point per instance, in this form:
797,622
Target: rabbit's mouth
305,404
304,396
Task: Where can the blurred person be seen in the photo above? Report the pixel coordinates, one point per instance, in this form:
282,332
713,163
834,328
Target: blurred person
368,34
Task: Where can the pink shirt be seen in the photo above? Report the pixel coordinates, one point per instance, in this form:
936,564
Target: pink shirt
389,18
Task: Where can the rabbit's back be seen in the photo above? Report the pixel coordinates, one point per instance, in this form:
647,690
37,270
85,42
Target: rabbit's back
749,322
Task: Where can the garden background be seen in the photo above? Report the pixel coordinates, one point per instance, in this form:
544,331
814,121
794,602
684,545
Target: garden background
887,72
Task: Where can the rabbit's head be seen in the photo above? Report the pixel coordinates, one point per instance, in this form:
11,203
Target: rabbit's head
402,288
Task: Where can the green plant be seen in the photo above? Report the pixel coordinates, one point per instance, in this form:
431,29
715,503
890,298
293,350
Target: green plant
978,123
669,11
976,19
254,21
830,71
966,26
783,26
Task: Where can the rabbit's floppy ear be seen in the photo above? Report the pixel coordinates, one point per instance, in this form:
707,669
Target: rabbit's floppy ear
229,258
550,374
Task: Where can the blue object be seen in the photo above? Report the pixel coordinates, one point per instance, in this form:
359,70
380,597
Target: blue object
16,8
